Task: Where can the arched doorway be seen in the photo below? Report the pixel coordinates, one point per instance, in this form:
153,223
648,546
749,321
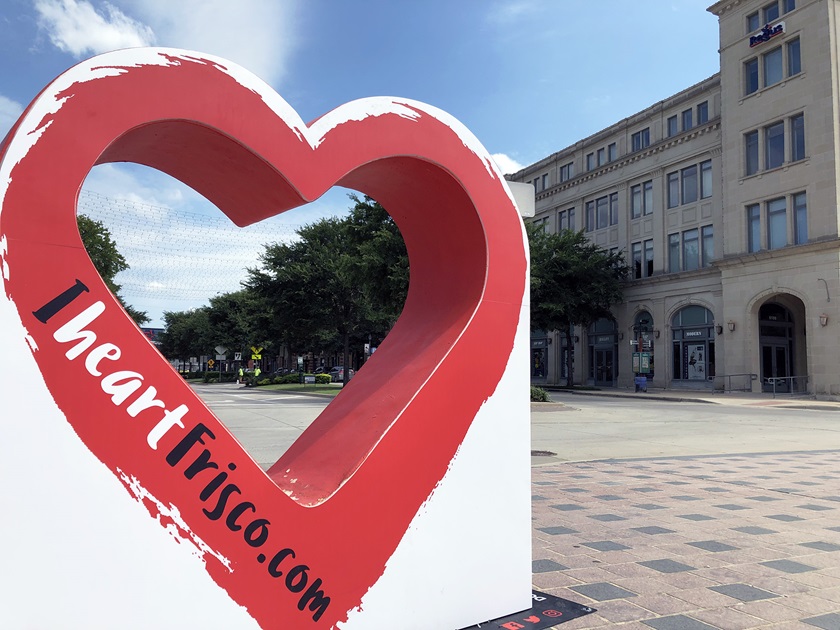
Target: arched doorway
776,340
643,340
693,351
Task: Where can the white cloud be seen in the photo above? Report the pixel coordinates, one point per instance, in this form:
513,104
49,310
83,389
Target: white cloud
259,35
507,164
508,11
78,28
10,111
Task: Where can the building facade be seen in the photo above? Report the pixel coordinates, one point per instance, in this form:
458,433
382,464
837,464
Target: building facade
724,200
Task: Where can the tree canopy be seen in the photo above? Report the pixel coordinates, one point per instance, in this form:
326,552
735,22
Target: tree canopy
107,259
342,280
573,282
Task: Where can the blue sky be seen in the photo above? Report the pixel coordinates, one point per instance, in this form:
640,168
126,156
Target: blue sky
527,77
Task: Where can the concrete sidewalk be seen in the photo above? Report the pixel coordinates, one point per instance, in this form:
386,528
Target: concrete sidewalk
793,401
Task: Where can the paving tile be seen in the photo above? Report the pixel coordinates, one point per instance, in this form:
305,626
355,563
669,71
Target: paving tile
678,483
728,618
716,489
608,497
649,506
744,592
712,545
763,498
696,517
602,591
815,508
572,490
653,530
789,566
686,497
732,507
545,566
567,507
557,529
646,489
787,518
754,531
606,545
830,621
666,566
821,546
678,622
538,497
607,518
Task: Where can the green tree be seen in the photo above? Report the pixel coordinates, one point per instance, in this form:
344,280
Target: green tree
342,279
188,334
107,259
573,282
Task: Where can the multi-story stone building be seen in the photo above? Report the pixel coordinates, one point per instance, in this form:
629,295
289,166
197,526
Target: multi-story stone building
724,198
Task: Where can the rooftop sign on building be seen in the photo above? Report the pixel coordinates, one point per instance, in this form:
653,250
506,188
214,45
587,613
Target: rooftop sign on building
766,34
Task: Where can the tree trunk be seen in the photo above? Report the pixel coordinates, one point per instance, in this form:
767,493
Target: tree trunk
346,359
570,355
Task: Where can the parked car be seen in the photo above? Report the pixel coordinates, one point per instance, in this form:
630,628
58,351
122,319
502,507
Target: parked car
337,374
320,370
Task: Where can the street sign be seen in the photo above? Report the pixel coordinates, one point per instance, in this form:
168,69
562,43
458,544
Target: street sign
221,350
257,353
211,363
237,356
221,357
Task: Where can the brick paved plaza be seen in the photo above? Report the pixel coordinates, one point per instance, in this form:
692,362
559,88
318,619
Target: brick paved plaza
693,543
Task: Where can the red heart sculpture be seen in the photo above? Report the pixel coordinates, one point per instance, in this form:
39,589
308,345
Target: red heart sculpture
301,546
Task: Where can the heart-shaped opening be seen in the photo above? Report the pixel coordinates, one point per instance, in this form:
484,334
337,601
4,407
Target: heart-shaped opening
445,246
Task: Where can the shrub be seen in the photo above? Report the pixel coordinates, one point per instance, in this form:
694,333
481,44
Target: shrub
538,394
264,381
323,379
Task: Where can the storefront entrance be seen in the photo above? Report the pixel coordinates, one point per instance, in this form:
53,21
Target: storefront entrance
776,340
604,362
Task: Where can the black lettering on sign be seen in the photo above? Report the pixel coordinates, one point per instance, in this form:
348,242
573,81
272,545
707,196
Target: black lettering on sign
46,312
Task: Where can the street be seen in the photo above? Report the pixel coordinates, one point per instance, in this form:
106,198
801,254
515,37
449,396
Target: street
575,427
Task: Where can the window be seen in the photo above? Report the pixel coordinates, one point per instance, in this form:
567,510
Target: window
689,184
648,265
637,260
691,250
673,253
641,199
673,190
566,220
703,113
567,171
793,61
544,182
774,145
788,6
705,179
642,255
590,216
614,209
750,76
751,153
707,241
797,138
800,219
771,12
612,152
641,139
542,223
686,120
753,227
672,126
776,223
773,67
684,186
602,157
603,212
753,23
590,161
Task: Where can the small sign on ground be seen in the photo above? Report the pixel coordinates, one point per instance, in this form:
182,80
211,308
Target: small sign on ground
547,611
